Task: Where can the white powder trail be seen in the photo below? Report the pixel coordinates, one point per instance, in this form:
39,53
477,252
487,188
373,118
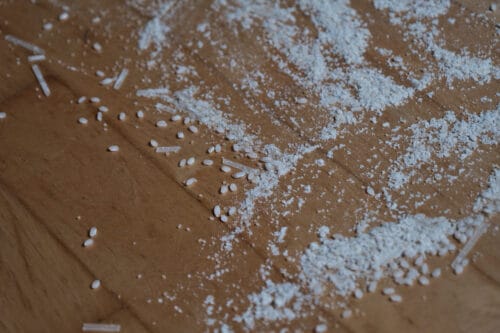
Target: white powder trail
442,138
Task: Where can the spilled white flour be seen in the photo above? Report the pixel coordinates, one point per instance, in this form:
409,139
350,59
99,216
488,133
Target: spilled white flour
344,266
443,138
343,133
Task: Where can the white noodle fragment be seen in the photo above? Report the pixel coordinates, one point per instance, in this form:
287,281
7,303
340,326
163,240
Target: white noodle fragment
41,80
153,92
120,79
168,149
36,57
28,46
91,327
460,259
239,166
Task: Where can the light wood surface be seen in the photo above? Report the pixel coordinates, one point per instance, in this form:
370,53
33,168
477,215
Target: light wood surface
57,180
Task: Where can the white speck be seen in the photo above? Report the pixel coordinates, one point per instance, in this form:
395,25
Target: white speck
95,100
99,73
95,284
83,120
193,129
218,148
190,181
436,273
320,328
139,114
225,169
107,81
88,242
161,123
370,191
3,115
301,100
347,313
122,116
99,116
396,298
239,174
388,291
180,135
81,100
103,108
223,189
217,211
176,117
423,280
153,143
63,16
224,218
208,162
168,149
191,161
358,294
113,148
210,150
233,187
231,211
92,232
97,47
458,269
182,163
48,26
372,287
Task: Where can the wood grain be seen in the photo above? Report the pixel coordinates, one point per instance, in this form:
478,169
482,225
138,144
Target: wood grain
57,180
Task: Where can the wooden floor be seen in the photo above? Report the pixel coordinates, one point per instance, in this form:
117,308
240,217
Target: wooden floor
155,237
